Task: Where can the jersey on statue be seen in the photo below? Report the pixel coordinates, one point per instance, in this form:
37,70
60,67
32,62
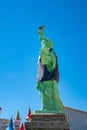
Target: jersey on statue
48,77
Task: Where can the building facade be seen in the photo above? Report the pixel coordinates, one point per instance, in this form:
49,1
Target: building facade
3,124
76,118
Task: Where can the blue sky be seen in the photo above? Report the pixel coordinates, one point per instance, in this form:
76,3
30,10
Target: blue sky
66,26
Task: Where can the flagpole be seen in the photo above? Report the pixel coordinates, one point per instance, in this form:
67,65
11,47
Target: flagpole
0,110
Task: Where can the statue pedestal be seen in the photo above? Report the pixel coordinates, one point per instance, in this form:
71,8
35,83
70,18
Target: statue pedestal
47,122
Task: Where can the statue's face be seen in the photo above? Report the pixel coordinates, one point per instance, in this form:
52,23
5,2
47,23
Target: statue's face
46,43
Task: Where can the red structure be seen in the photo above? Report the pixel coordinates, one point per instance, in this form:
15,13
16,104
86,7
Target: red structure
21,127
28,117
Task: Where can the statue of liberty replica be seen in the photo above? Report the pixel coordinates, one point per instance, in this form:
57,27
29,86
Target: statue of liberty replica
51,116
48,76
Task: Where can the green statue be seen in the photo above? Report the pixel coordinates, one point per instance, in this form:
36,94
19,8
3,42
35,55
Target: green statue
48,77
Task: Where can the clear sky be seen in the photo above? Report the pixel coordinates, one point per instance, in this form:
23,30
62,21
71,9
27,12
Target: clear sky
66,26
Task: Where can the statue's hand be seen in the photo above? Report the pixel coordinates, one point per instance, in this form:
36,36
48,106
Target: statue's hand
40,30
41,27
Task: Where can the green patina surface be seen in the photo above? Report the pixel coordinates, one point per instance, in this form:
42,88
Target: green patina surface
51,102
